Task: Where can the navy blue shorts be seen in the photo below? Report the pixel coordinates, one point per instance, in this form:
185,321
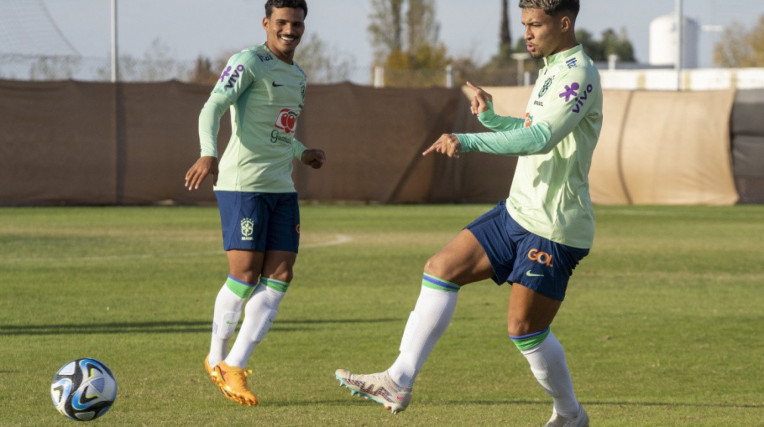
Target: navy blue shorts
519,256
259,221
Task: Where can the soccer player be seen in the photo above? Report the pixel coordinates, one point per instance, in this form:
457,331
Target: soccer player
532,240
265,91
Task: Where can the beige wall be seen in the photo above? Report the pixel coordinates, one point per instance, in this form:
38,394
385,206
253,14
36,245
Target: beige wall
99,143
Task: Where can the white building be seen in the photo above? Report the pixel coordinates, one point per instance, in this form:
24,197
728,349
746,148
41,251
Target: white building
664,39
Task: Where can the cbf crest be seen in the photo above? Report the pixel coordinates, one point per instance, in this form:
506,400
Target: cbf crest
547,85
247,229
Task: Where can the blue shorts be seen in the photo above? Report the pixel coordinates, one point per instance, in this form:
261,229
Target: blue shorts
259,221
519,256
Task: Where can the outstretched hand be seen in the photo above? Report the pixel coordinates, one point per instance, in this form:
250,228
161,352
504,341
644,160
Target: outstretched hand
480,100
206,165
313,158
448,144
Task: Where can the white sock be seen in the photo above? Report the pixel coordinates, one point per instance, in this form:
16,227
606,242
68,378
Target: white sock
426,324
259,313
548,365
228,308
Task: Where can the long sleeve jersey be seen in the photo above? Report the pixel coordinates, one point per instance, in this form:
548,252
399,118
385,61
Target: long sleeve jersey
555,140
265,96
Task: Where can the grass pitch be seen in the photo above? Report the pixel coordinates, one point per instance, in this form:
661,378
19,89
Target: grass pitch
662,324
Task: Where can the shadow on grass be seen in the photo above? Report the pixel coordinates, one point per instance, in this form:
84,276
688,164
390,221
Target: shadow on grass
160,327
356,401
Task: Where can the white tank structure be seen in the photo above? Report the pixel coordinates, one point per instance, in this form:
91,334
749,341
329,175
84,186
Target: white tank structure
663,41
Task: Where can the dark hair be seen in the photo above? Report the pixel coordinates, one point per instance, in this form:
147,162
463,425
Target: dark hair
552,7
294,4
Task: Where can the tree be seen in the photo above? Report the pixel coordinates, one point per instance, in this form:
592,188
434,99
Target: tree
386,27
203,73
505,37
421,60
592,47
501,69
617,44
157,64
320,62
54,67
611,43
741,48
422,27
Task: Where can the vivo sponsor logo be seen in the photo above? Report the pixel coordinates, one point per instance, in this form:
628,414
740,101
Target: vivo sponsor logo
232,76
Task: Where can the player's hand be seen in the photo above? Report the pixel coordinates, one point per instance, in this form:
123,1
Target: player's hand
204,166
480,100
313,158
448,144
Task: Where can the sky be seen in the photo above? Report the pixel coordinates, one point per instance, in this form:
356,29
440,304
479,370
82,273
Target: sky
468,28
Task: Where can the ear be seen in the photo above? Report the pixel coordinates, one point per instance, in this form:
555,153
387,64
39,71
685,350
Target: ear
565,23
265,24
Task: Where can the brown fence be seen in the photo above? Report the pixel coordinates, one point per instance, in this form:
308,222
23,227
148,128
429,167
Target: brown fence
100,143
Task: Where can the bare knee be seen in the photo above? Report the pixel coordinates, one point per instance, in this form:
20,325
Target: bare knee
517,326
278,265
281,275
435,266
246,276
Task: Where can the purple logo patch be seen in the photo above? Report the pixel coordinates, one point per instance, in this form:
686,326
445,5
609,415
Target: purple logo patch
233,76
570,91
581,99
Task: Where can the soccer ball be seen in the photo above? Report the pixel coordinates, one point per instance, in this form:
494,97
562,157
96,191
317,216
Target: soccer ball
83,389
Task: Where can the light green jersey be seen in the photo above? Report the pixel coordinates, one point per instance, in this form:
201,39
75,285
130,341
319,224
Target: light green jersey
265,96
555,141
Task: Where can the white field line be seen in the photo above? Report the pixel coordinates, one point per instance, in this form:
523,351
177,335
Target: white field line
339,239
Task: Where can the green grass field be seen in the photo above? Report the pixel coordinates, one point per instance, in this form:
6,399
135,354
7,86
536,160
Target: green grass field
662,324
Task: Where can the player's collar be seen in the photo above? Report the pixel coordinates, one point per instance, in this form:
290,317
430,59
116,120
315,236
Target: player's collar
560,56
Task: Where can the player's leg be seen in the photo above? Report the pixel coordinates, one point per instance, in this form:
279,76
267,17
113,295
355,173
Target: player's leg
230,300
281,241
231,379
461,261
242,224
239,218
262,307
544,269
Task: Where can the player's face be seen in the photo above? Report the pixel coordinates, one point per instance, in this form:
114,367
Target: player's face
543,33
284,30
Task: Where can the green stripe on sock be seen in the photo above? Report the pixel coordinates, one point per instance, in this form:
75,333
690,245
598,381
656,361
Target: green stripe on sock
528,343
439,284
274,284
243,290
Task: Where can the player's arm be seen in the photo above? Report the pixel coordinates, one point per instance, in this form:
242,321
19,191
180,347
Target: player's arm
498,123
312,157
209,126
482,106
235,79
517,142
551,124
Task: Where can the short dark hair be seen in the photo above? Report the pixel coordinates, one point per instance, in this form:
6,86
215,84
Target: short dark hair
294,4
552,7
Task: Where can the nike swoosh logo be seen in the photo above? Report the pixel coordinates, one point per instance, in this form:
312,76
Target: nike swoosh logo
529,274
276,84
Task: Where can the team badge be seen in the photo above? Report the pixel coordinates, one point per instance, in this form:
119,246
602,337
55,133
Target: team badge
247,229
547,85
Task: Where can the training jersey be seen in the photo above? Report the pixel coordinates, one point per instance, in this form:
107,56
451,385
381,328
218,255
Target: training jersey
555,141
265,96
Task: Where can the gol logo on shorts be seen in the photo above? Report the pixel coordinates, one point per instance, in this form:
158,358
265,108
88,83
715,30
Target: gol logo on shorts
540,257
